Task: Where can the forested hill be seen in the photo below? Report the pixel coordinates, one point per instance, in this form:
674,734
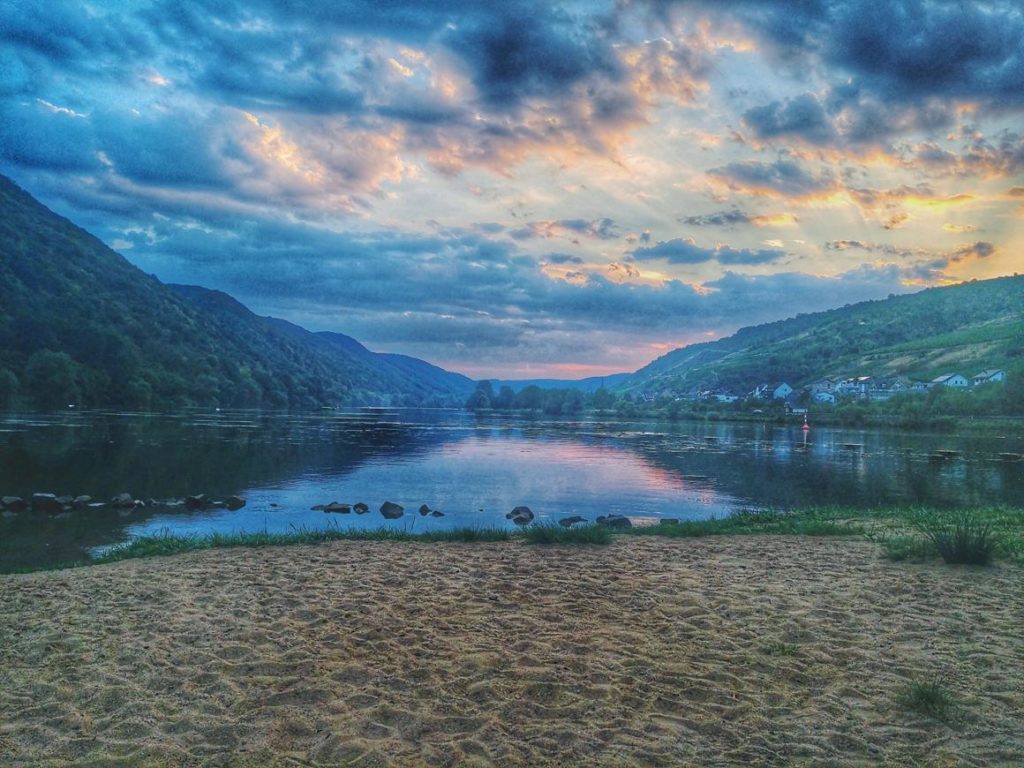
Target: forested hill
80,324
961,328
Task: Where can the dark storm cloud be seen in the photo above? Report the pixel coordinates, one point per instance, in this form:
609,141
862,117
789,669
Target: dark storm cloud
784,177
680,251
719,219
803,117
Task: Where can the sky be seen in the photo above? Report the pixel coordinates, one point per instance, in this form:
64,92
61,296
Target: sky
528,189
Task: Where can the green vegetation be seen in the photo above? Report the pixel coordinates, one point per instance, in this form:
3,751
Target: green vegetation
809,522
557,534
967,327
964,539
903,533
80,325
780,649
930,698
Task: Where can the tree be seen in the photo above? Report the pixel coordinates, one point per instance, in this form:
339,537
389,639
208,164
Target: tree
8,388
603,400
51,379
506,399
482,397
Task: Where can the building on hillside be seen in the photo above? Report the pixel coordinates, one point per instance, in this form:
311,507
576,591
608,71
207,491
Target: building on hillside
950,380
825,397
858,386
823,385
988,377
778,391
883,389
920,386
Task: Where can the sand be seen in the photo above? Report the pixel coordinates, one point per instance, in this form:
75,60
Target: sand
721,651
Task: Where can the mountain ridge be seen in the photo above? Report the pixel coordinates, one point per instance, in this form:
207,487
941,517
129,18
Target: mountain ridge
80,324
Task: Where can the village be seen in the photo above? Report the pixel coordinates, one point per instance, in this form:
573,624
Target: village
835,390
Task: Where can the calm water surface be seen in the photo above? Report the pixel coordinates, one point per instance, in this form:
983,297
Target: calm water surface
473,469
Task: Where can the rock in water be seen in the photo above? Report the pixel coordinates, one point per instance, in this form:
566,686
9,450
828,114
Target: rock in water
520,516
437,513
14,503
569,522
46,502
359,508
424,510
335,506
199,501
123,500
614,521
81,502
391,511
234,502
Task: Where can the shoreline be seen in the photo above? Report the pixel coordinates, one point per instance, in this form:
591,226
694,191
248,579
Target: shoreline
901,533
726,650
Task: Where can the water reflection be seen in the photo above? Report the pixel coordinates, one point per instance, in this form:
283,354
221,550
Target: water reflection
473,469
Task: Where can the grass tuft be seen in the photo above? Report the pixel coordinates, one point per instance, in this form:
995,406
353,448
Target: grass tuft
780,649
930,698
963,539
556,534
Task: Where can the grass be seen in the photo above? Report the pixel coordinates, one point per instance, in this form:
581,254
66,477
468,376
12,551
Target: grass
556,534
930,698
904,534
964,539
809,522
780,649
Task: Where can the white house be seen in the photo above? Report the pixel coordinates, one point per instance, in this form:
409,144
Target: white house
988,377
781,391
950,380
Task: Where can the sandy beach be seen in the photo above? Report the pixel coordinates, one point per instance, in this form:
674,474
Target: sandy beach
719,651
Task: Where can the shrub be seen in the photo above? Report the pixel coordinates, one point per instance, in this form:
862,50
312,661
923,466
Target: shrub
930,698
556,534
963,539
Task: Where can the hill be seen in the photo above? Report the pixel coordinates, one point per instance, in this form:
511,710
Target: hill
965,328
591,384
80,324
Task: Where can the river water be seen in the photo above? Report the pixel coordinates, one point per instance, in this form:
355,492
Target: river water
474,469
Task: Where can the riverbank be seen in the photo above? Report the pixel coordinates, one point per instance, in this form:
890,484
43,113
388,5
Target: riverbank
754,650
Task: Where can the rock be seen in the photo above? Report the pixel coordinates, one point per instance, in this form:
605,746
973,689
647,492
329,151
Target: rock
424,510
46,502
317,508
14,503
234,502
391,511
123,501
335,506
198,501
437,513
614,521
218,504
569,522
359,508
520,516
96,505
65,501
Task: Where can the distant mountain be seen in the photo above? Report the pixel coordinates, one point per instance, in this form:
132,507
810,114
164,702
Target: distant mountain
591,384
963,328
80,324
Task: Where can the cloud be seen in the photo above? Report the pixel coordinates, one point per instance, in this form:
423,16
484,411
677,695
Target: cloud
597,229
736,216
680,251
782,178
802,117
